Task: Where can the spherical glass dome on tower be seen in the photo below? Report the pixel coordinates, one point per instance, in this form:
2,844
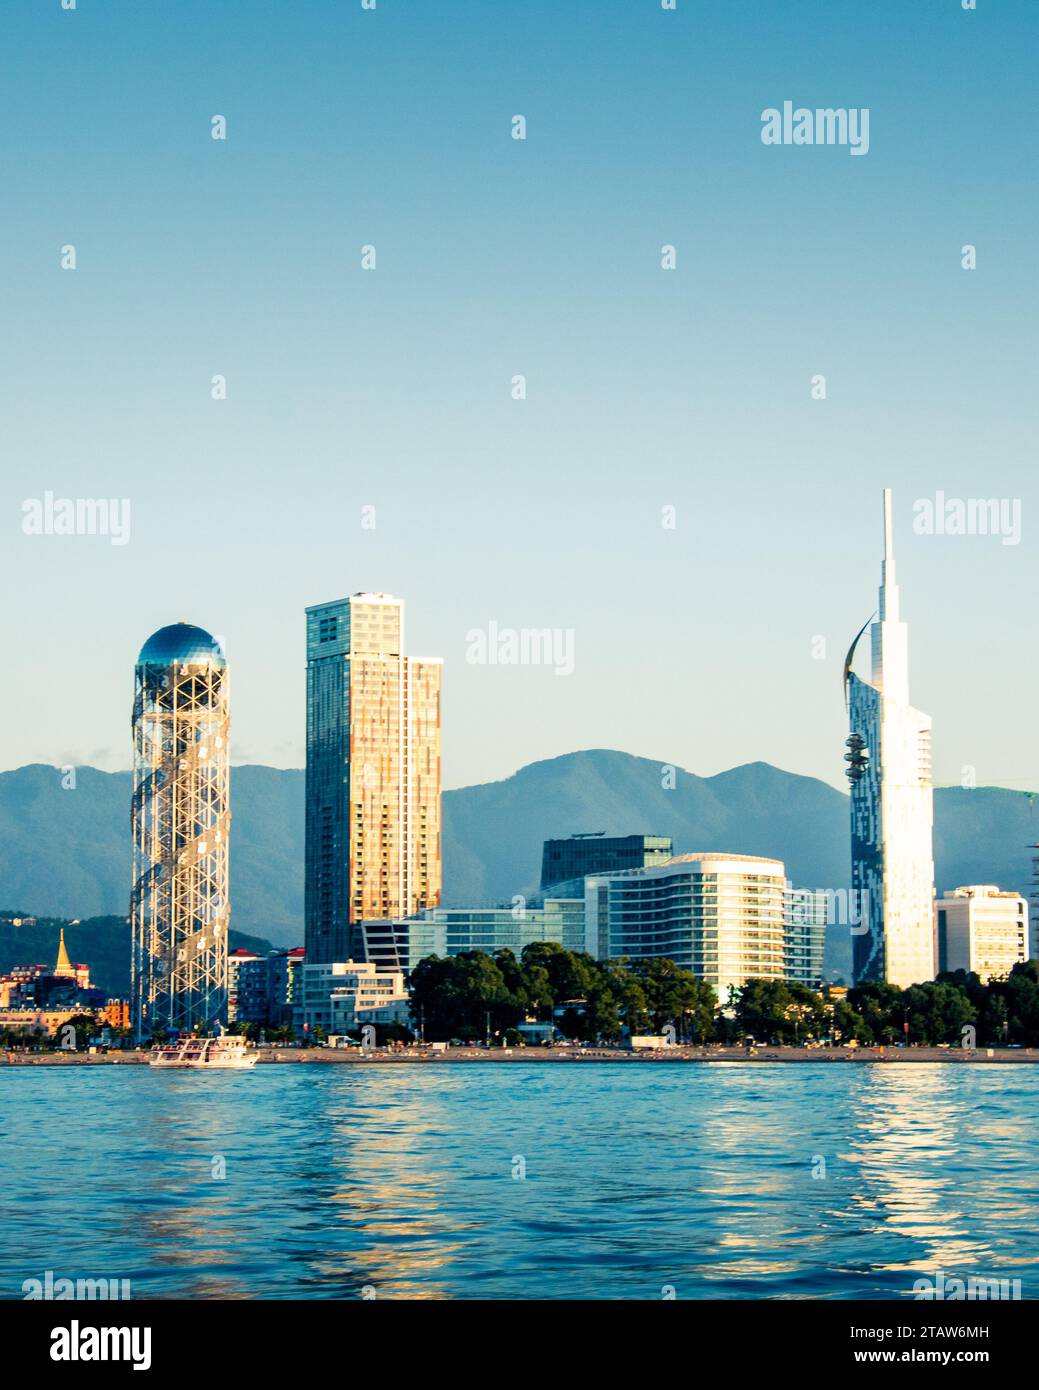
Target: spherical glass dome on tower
181,642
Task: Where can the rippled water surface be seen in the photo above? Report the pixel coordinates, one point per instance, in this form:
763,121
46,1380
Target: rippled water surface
401,1178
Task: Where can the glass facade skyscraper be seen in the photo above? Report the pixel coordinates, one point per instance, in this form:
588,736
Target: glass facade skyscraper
373,773
562,861
889,757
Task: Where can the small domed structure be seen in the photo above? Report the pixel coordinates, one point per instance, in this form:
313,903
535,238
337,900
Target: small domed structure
181,642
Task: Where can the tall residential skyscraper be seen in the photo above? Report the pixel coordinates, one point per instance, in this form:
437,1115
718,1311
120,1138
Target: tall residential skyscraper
181,819
373,774
892,858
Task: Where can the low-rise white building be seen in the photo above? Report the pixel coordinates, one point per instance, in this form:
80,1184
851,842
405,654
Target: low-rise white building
348,1015
344,995
982,929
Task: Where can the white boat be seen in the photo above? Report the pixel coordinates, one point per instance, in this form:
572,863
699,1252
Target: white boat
227,1051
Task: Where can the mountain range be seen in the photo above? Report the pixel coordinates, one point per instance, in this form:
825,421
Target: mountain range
66,852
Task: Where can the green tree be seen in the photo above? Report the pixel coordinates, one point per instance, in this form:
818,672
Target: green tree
675,996
459,995
537,981
601,1018
880,1007
780,1011
993,1024
513,978
573,974
629,999
938,1012
86,1026
968,983
554,977
846,1025
1027,970
1021,992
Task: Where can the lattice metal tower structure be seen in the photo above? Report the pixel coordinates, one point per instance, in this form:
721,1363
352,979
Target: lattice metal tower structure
180,815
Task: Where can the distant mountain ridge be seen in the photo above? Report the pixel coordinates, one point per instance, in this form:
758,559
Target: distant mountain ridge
67,853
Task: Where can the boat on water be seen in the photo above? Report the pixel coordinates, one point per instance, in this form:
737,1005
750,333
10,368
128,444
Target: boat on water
209,1053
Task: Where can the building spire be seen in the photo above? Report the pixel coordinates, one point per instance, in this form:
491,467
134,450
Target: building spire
888,587
64,968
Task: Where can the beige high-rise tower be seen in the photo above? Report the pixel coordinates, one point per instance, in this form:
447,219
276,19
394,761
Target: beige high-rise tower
373,773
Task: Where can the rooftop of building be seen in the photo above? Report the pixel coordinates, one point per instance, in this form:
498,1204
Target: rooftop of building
701,855
979,890
364,967
363,595
774,867
594,835
41,968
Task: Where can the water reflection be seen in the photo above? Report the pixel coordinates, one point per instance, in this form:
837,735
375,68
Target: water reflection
742,1181
931,1161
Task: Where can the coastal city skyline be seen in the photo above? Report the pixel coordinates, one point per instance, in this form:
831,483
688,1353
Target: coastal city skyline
514,771
373,849
373,841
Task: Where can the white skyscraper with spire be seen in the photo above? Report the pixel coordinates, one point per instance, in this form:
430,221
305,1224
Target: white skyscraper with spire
892,852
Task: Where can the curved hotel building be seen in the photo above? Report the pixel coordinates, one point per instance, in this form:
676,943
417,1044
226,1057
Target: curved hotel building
722,916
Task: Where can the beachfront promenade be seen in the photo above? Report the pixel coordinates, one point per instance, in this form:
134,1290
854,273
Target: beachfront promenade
461,1056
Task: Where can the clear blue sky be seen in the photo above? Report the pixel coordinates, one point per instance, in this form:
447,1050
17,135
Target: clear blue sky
646,388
